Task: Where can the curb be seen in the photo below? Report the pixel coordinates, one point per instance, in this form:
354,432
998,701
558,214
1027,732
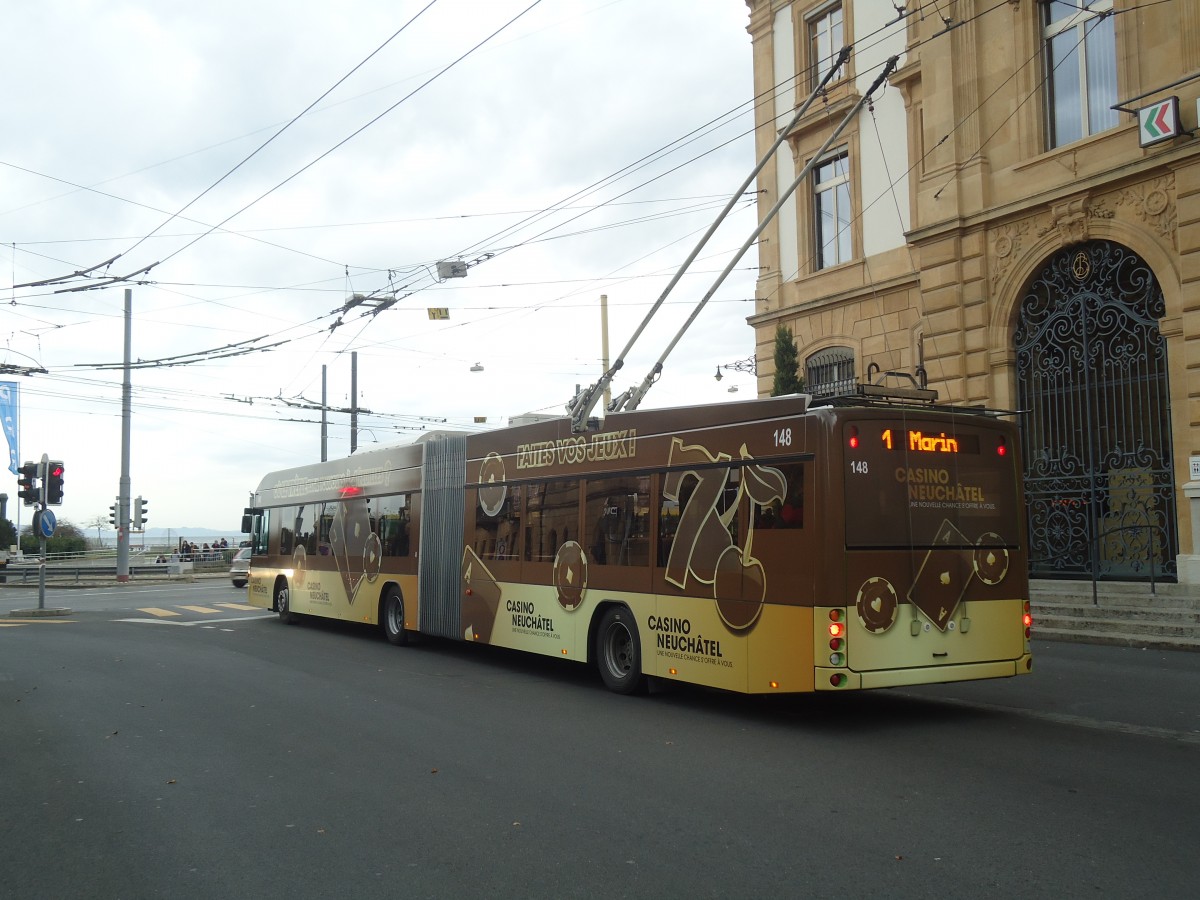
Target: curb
39,613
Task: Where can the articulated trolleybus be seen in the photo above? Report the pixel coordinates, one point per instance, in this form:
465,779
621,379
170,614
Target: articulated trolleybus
765,546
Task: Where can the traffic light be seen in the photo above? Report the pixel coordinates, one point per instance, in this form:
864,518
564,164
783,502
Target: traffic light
139,513
27,482
112,512
54,482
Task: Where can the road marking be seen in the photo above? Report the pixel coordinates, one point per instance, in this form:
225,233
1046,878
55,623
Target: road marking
18,623
244,606
156,611
204,622
200,609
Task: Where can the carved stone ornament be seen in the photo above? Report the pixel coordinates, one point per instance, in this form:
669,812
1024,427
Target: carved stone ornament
1006,246
1153,203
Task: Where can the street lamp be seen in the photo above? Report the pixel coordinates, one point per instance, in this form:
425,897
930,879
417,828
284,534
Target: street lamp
749,364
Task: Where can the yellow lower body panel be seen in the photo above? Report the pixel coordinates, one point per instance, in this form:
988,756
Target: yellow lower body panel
924,675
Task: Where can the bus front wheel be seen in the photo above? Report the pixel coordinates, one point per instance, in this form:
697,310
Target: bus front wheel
619,652
283,603
393,617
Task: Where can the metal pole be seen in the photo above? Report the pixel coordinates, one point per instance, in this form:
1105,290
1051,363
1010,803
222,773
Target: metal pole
126,402
324,417
604,346
353,400
41,535
42,573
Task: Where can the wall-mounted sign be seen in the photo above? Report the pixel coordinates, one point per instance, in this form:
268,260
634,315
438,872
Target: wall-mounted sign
1158,122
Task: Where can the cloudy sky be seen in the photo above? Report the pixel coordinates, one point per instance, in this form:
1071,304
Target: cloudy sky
260,163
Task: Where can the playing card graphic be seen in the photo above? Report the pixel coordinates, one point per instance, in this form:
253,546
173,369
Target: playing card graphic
480,598
944,574
349,539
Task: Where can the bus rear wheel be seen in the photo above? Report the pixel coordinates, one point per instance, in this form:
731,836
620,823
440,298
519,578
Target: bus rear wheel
393,617
283,604
619,652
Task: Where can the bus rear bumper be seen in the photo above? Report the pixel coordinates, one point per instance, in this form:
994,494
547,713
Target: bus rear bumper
883,678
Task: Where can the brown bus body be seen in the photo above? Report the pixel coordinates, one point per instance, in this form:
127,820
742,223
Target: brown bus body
756,546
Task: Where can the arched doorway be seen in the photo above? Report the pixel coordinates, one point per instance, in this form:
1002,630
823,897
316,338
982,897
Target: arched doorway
1096,434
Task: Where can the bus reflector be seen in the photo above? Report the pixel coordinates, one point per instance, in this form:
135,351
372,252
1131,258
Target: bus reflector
837,679
773,684
673,671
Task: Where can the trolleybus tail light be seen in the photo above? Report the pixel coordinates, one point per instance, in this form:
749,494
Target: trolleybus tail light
853,439
837,679
1001,446
1027,619
837,628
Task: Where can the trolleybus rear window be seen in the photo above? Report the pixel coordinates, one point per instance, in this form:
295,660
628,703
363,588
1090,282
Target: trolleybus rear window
927,483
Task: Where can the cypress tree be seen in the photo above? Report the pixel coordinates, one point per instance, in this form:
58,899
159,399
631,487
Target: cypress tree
787,365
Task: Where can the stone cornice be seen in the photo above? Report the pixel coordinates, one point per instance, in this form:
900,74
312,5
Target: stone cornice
1113,179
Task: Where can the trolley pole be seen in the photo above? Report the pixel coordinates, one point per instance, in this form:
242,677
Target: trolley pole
126,402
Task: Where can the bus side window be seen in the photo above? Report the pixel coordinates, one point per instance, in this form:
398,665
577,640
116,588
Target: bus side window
287,535
787,512
618,519
553,514
393,525
668,518
262,533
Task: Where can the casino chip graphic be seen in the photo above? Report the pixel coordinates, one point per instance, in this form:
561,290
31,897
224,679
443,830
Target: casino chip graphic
491,493
570,575
877,605
991,563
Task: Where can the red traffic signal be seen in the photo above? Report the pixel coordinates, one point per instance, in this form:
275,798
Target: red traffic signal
54,482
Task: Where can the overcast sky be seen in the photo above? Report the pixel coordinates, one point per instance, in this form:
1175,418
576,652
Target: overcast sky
563,150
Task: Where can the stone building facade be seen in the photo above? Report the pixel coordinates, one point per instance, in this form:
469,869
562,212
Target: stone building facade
989,224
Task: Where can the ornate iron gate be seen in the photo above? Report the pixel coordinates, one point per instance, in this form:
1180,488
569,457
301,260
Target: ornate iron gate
1092,378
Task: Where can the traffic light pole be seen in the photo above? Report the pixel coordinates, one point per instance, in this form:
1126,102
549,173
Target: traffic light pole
126,403
42,539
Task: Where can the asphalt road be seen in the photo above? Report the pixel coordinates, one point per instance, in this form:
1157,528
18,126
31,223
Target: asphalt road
217,754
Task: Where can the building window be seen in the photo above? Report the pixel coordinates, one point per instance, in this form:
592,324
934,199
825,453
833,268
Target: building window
825,42
831,205
1081,66
830,372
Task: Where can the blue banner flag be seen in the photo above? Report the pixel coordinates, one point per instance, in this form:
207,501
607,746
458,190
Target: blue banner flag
10,406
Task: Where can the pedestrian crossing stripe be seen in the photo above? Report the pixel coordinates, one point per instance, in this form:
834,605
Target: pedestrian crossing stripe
17,623
205,610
